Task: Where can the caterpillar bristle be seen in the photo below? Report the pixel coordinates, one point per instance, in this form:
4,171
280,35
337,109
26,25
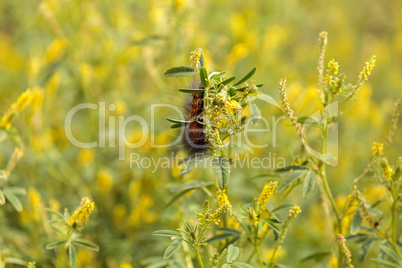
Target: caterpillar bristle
194,140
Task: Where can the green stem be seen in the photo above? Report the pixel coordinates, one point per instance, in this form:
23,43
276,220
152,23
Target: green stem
63,249
199,257
328,191
257,250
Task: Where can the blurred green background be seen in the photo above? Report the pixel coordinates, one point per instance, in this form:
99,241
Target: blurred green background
90,51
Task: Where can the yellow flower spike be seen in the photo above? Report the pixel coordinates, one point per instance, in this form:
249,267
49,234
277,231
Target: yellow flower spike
345,250
18,106
333,66
223,198
195,58
217,214
81,214
377,149
267,192
387,171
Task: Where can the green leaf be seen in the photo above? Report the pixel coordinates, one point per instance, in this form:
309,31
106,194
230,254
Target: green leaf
180,71
55,244
184,122
386,263
191,90
13,199
246,77
316,257
221,167
309,183
172,248
289,178
188,225
17,190
391,253
228,230
204,77
17,261
190,186
254,112
227,81
291,168
71,253
219,237
215,75
242,265
226,266
357,221
167,233
86,244
365,248
271,223
233,252
189,164
269,99
54,212
2,198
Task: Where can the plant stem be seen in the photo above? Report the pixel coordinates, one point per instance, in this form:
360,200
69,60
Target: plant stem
63,249
199,257
328,190
257,250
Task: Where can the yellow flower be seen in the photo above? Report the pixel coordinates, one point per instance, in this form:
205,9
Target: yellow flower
294,211
81,214
31,264
370,64
195,58
217,214
125,265
377,149
253,217
333,66
22,102
387,171
223,198
267,192
233,106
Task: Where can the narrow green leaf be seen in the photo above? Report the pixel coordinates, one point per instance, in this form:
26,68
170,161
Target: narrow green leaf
55,244
71,253
386,263
291,168
269,99
316,257
221,167
254,112
2,198
166,233
180,71
364,249
177,125
178,121
227,81
226,266
215,75
228,230
86,244
191,90
13,199
271,223
191,185
173,248
242,265
289,178
17,190
246,77
177,196
54,212
309,183
188,225
357,221
391,252
219,237
233,252
204,77
17,261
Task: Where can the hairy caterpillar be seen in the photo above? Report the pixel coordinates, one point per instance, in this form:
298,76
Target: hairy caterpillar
194,139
